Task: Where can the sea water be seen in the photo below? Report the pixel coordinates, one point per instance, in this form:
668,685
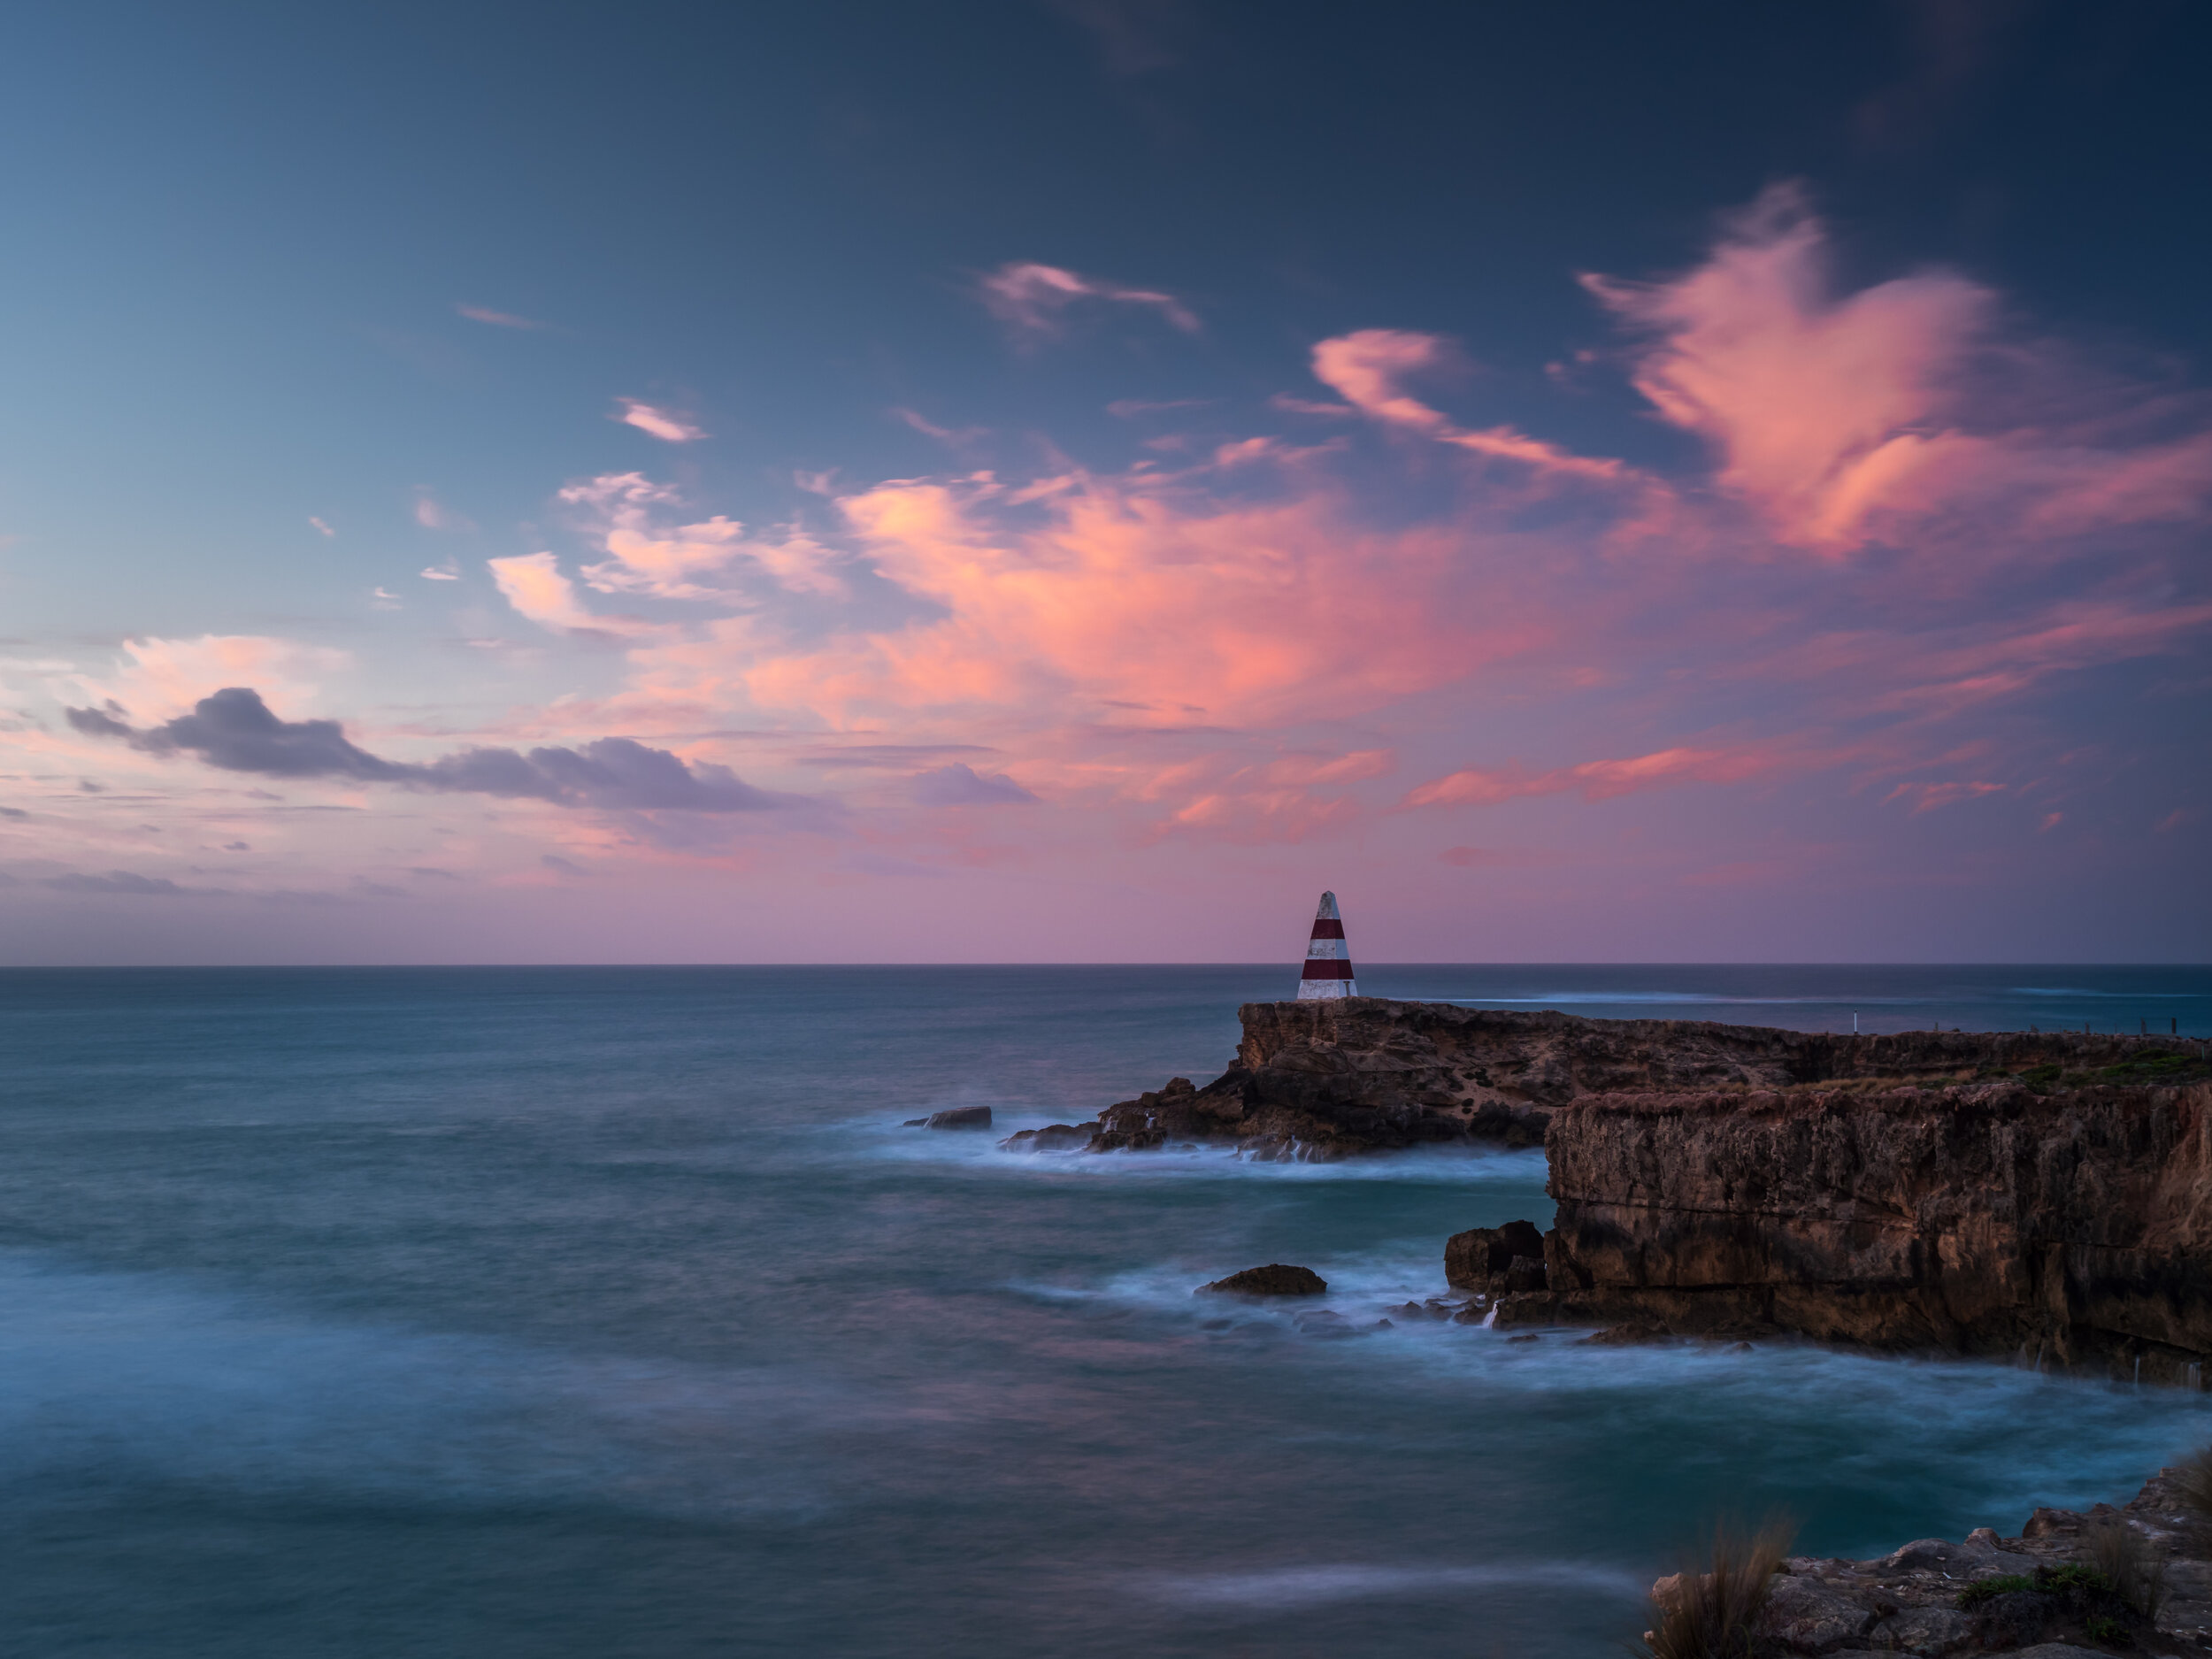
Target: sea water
613,1311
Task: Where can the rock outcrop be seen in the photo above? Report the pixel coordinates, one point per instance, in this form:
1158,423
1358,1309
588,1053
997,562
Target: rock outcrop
2046,1196
1501,1260
2005,1596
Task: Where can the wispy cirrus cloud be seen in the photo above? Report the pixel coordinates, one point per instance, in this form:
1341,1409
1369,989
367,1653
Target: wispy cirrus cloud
498,319
1369,368
1033,300
666,425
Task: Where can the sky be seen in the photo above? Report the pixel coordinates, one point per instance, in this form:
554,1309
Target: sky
1067,481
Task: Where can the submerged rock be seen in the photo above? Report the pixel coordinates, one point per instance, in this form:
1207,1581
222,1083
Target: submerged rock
959,1117
1274,1279
1634,1333
1051,1137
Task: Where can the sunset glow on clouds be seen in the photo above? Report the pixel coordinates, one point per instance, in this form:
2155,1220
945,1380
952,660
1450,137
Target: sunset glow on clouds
1804,573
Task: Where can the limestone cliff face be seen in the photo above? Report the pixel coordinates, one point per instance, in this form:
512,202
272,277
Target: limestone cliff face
1974,1218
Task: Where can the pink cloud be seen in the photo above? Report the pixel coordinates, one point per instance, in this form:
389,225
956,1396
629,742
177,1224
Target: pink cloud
1883,414
1369,368
660,423
650,556
1601,779
533,583
1031,299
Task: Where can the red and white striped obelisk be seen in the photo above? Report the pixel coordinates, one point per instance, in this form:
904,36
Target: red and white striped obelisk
1328,963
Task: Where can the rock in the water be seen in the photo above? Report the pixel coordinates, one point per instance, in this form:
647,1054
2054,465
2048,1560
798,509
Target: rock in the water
959,1118
1483,1258
1051,1137
1633,1334
1274,1279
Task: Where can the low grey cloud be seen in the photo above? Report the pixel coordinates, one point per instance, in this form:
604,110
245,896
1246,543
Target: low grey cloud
959,785
124,882
234,729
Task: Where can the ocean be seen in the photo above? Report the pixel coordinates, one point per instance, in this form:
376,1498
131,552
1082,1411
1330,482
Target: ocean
602,1311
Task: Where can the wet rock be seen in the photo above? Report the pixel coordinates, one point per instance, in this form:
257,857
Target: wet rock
1983,1537
1274,1279
1930,1631
959,1118
1634,1333
1525,1336
1484,1258
1051,1137
1382,1325
1808,1616
2057,1650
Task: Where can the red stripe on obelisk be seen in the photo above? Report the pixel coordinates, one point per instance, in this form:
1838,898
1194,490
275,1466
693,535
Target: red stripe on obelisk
1320,968
1326,928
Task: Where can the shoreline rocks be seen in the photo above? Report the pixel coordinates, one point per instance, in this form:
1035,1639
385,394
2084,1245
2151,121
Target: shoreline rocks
1920,1598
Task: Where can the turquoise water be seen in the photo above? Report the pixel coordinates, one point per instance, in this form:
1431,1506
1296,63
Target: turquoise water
585,1311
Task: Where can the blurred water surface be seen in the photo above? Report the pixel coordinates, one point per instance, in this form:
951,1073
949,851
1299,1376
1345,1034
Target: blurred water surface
596,1311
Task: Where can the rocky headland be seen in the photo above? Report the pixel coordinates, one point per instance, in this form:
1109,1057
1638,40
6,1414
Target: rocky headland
2046,1196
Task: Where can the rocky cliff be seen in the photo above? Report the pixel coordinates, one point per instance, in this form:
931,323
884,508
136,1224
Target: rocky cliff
2062,1218
2047,1196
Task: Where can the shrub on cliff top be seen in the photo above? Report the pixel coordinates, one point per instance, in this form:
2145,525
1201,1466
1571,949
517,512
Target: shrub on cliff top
2135,1571
1714,1614
2193,1484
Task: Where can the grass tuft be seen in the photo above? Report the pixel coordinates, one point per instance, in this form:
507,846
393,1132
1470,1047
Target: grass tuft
1714,1613
2193,1484
2135,1571
1988,1589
